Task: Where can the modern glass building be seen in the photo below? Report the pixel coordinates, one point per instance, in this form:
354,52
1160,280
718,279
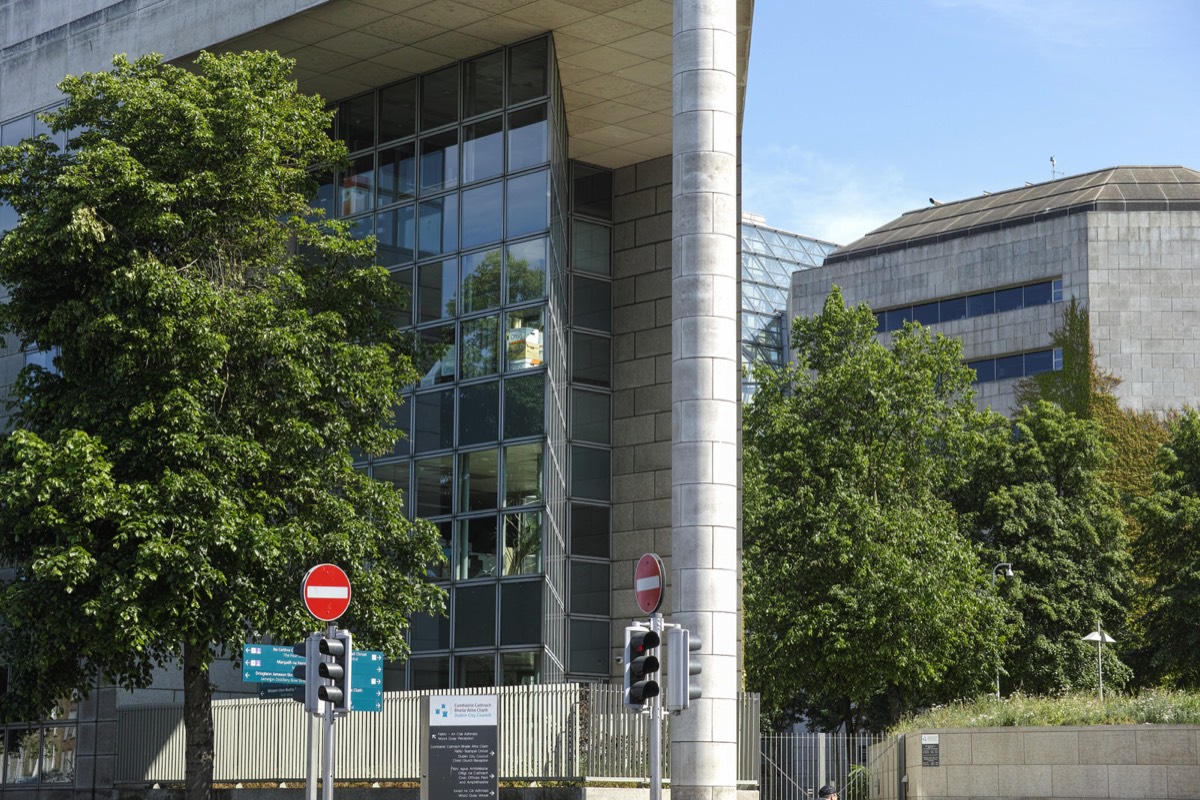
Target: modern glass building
769,257
530,170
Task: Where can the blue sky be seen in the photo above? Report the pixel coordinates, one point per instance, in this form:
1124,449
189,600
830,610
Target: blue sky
859,110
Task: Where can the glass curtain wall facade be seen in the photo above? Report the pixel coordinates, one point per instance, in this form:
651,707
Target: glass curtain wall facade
769,257
461,175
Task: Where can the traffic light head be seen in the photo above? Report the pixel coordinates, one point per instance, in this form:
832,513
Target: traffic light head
334,670
682,664
641,666
309,672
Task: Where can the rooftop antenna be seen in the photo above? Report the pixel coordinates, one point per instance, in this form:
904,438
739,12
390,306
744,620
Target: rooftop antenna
1054,173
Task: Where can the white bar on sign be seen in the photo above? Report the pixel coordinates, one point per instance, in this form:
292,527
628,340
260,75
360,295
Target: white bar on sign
328,592
652,582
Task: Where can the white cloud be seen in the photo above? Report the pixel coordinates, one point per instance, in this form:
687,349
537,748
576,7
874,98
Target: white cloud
797,191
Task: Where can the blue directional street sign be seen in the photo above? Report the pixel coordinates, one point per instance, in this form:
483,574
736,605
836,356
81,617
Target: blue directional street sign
273,663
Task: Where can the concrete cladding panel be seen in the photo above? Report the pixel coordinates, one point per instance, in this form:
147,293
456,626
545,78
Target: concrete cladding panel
1144,291
1112,761
44,40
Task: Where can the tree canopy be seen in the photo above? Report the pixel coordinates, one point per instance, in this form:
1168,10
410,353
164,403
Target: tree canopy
860,589
218,350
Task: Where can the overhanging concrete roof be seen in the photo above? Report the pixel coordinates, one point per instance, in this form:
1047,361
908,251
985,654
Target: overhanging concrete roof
1111,189
614,57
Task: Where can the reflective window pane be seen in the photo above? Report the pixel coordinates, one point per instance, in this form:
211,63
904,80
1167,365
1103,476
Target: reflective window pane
950,310
437,288
396,236
980,304
591,359
438,227
523,543
528,203
483,150
429,632
435,357
478,481
1038,294
325,198
440,570
1010,367
589,646
397,173
592,191
1042,361
398,110
523,338
591,248
589,588
590,473
480,280
524,406
434,486
483,84
356,122
528,138
589,530
479,344
591,303
439,161
478,413
896,318
520,669
528,71
403,278
985,370
434,421
21,755
16,130
1008,299
475,670
430,673
357,186
476,627
926,314
439,98
58,755
521,612
526,271
590,413
395,474
523,474
483,214
475,549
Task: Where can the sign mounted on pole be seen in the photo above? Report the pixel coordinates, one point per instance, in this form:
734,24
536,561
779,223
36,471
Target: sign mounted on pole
648,579
325,591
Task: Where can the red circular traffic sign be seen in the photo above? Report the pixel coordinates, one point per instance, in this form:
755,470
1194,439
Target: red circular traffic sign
648,580
325,591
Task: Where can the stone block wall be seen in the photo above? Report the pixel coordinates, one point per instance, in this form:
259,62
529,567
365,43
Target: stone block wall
641,517
1152,762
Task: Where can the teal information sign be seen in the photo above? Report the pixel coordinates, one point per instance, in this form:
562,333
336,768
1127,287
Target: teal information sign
272,664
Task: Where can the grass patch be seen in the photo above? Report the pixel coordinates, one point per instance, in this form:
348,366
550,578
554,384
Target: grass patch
1160,707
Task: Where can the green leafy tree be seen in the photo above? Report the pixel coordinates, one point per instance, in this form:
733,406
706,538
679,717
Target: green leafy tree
862,595
217,354
1055,517
1169,551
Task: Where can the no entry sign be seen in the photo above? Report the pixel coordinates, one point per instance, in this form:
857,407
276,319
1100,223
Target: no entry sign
326,592
648,580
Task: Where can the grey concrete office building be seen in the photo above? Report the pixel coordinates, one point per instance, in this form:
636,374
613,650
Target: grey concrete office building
995,271
584,408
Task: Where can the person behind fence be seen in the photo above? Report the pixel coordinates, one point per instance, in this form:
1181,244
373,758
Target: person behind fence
828,792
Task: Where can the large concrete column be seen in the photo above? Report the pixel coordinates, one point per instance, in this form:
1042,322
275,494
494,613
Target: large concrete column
704,380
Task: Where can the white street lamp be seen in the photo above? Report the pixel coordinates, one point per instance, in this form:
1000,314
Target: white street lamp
1100,638
1008,573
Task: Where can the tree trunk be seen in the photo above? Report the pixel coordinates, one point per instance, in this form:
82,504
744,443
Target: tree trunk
197,723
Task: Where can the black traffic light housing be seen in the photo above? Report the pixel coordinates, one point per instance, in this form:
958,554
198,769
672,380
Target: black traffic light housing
334,669
641,667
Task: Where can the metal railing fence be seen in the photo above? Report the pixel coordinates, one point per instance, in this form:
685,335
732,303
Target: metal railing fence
549,732
796,765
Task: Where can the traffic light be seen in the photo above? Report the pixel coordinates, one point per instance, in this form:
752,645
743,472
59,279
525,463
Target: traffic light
334,668
310,674
681,666
641,667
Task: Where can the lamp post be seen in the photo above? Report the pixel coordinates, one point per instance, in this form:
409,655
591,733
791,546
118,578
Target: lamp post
1100,638
1008,573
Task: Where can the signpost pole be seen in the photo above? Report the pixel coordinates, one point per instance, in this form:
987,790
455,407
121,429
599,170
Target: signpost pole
310,778
656,625
328,747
